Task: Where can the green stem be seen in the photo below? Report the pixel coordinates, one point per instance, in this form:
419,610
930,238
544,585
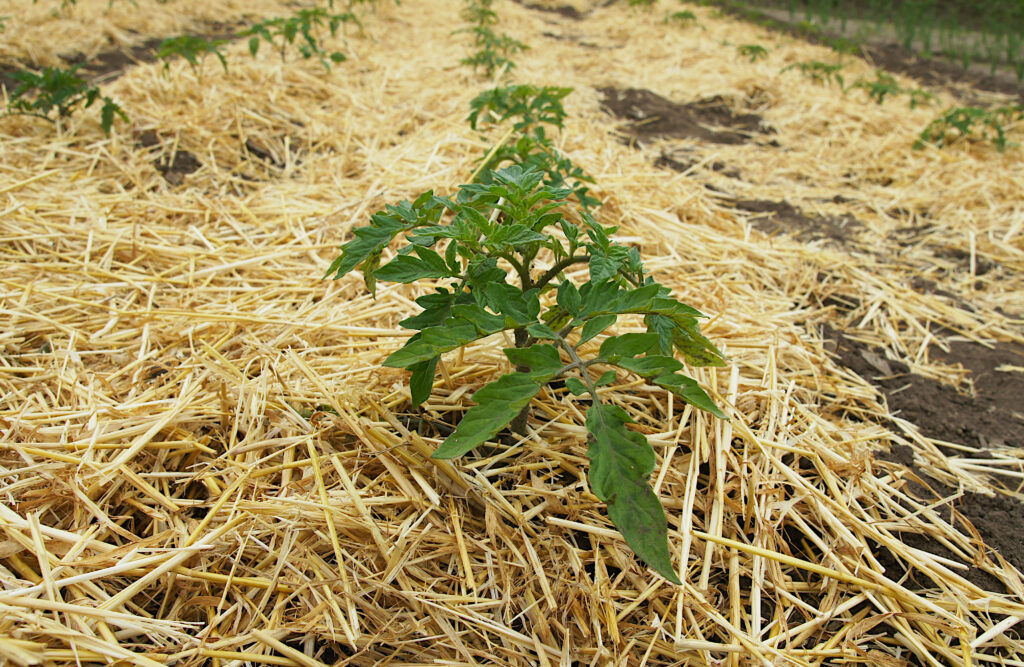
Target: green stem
580,365
560,266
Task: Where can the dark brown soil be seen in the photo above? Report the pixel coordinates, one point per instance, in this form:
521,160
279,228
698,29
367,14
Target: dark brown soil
987,418
652,116
892,57
109,65
173,168
995,518
680,166
563,10
783,218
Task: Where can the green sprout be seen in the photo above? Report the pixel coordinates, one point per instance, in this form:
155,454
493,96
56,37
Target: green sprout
531,108
752,52
964,123
60,91
819,71
493,51
681,17
282,32
193,49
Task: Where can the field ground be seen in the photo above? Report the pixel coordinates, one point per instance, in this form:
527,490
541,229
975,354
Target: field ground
203,463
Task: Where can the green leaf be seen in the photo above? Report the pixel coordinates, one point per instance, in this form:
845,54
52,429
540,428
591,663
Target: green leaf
368,240
538,330
569,297
606,378
469,322
661,370
496,405
576,386
627,345
689,391
436,309
405,269
541,357
603,267
620,463
695,348
422,381
648,366
595,326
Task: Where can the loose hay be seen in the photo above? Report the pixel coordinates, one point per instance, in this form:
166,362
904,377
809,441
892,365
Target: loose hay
204,463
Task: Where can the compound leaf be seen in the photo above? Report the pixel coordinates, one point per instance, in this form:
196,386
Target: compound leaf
620,463
496,405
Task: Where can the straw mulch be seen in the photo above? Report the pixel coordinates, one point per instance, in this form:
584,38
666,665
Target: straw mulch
204,464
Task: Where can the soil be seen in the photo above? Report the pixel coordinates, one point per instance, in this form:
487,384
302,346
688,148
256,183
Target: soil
988,417
108,65
891,56
174,168
651,116
783,218
562,10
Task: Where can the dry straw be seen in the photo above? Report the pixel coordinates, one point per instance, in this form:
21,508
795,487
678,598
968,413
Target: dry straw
204,464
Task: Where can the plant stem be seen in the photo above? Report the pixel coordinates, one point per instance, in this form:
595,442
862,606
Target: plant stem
518,423
560,266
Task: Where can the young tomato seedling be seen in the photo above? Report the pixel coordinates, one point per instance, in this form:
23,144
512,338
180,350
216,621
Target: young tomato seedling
61,91
282,32
752,52
530,108
193,49
498,250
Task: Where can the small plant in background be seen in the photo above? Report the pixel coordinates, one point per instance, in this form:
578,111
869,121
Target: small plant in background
752,52
527,144
59,91
685,17
493,51
919,97
193,49
819,71
964,123
305,23
642,3
512,226
885,85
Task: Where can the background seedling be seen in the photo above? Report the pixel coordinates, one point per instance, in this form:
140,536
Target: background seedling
681,17
962,123
527,144
193,49
493,51
283,32
819,71
752,52
60,91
